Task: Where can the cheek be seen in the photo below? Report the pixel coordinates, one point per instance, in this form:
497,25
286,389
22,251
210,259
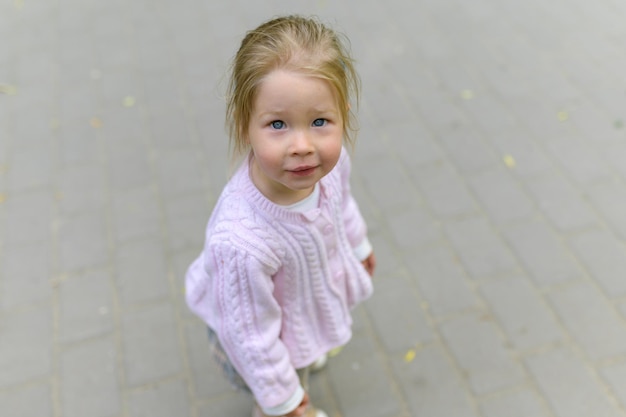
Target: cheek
333,148
267,157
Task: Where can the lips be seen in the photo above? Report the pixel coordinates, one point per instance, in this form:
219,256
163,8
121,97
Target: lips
303,170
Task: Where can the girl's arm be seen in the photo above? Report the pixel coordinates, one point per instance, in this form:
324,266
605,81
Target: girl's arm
249,324
355,226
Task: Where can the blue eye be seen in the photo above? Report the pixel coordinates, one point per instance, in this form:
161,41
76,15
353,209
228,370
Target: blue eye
277,124
319,122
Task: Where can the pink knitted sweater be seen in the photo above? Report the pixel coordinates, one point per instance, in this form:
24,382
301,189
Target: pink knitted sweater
277,286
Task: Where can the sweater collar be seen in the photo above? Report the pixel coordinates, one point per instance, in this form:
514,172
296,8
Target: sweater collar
256,198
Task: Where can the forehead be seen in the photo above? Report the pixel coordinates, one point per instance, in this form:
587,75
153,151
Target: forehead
284,89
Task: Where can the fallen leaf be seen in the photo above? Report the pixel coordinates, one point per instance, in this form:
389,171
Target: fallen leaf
54,123
129,101
509,161
95,122
335,351
562,116
467,94
409,356
8,89
3,198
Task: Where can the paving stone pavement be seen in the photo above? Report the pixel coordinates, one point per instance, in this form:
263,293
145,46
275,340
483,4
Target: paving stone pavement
490,166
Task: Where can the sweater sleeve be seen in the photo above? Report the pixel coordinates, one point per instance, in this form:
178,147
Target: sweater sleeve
356,228
249,323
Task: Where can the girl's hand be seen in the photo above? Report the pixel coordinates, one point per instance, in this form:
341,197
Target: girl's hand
369,264
298,412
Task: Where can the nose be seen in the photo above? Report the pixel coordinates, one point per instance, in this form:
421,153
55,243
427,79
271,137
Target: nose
301,143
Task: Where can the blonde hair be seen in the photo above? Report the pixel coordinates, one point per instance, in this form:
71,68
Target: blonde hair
294,43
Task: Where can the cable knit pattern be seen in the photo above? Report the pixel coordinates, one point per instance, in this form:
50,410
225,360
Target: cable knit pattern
277,286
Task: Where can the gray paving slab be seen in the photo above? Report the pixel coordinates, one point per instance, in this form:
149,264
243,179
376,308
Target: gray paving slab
26,349
579,160
442,282
581,307
480,248
610,200
84,241
563,205
362,385
479,350
86,306
28,217
615,376
602,254
163,400
34,400
517,403
489,164
141,272
398,317
136,214
26,281
501,198
444,191
151,345
89,379
431,384
569,387
538,327
543,255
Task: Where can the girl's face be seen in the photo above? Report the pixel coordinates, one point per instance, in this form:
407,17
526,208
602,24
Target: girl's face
295,133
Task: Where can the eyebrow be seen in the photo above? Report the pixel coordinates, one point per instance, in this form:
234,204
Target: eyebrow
281,112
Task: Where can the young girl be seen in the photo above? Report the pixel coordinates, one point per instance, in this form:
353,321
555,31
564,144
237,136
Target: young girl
286,254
